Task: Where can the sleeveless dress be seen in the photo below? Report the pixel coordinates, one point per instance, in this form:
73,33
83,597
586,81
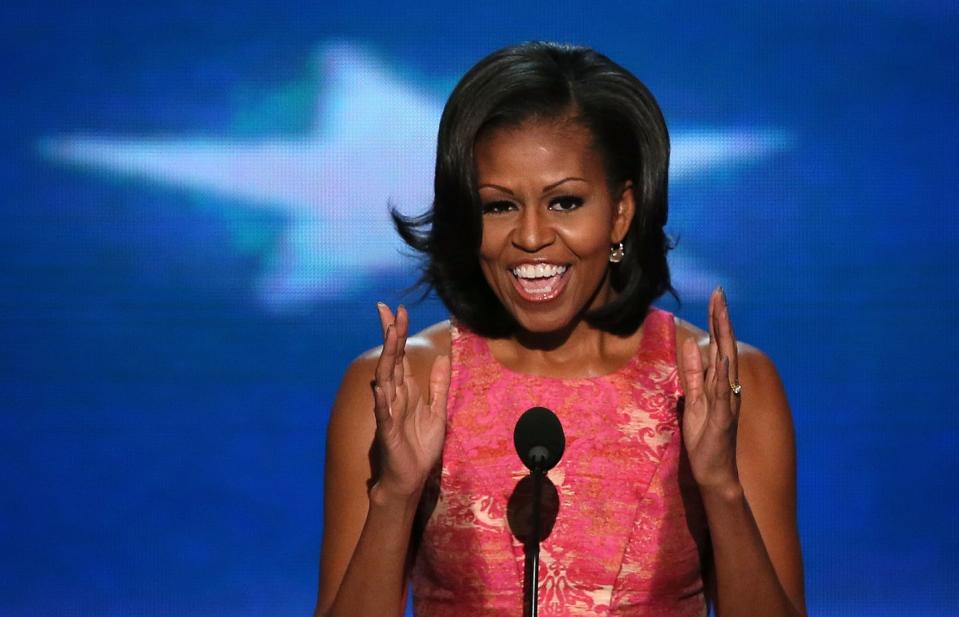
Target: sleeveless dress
629,531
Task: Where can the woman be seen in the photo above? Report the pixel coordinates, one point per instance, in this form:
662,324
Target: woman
546,243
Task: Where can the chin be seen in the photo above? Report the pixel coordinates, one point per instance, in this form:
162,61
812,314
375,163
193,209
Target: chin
543,324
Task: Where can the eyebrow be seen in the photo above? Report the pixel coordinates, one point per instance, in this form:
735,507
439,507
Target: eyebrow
546,188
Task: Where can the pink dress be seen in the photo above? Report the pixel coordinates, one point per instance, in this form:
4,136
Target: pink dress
629,532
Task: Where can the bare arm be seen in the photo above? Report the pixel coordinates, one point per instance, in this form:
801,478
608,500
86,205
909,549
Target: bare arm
756,542
742,452
367,532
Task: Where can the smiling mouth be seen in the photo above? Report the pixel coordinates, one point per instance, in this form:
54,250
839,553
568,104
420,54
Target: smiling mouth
539,282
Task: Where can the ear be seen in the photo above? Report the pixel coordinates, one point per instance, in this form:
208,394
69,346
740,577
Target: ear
623,213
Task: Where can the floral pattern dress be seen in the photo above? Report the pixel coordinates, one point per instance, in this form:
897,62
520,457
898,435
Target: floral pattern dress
629,532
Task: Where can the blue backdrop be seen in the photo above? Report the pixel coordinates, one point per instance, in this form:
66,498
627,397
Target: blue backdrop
193,236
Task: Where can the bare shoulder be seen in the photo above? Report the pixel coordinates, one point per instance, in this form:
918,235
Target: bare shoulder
765,421
753,363
430,342
685,330
421,349
765,441
351,419
424,347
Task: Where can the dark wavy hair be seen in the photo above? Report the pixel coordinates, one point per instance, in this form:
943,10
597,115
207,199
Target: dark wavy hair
545,81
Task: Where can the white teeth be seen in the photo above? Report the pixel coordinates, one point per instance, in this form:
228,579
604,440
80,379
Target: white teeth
537,271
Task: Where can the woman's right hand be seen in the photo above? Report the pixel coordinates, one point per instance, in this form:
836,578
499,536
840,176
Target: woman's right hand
409,430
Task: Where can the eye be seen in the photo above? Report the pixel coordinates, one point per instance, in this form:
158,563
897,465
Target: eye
498,207
565,203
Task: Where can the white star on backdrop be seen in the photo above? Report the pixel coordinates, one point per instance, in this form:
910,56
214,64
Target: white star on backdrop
373,142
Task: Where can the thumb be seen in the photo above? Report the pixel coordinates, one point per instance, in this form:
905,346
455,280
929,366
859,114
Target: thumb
439,384
691,370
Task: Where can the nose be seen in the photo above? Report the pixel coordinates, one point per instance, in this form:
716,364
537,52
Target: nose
533,231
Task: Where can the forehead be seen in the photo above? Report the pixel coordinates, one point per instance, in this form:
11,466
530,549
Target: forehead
537,147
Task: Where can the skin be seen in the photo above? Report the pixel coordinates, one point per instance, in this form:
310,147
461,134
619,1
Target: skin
547,199
557,211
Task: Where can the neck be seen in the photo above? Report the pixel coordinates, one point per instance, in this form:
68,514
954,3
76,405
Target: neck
579,348
575,334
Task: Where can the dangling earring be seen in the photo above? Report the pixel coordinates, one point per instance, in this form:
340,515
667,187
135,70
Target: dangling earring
616,253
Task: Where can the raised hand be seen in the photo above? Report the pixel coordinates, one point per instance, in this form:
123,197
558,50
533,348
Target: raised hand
409,429
711,413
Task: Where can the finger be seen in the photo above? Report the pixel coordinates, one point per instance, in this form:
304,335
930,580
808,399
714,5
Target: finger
439,385
720,410
692,370
727,339
411,383
703,344
713,352
401,390
712,369
412,394
402,323
733,400
400,403
731,347
386,317
381,407
386,363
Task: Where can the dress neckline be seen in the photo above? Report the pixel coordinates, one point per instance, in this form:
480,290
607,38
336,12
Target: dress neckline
646,334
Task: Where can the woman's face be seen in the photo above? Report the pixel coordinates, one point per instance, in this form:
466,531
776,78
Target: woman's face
548,221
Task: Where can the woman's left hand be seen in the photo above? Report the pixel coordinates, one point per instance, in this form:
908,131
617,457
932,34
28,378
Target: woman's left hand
711,411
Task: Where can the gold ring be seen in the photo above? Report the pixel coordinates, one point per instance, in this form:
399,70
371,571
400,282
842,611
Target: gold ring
736,388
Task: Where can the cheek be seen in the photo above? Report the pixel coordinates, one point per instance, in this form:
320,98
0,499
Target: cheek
488,255
492,241
587,240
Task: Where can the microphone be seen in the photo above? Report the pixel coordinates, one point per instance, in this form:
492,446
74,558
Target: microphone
540,442
539,439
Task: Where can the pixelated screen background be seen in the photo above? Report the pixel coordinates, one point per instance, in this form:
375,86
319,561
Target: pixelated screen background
193,235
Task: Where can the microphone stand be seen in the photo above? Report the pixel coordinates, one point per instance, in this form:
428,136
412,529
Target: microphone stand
540,442
532,545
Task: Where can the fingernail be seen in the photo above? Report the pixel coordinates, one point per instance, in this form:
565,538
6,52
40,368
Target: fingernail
380,305
722,293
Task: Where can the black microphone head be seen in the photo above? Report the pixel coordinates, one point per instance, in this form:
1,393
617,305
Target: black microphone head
539,439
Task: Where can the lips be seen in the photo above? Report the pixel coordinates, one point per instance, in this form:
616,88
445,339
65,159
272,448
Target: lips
539,282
